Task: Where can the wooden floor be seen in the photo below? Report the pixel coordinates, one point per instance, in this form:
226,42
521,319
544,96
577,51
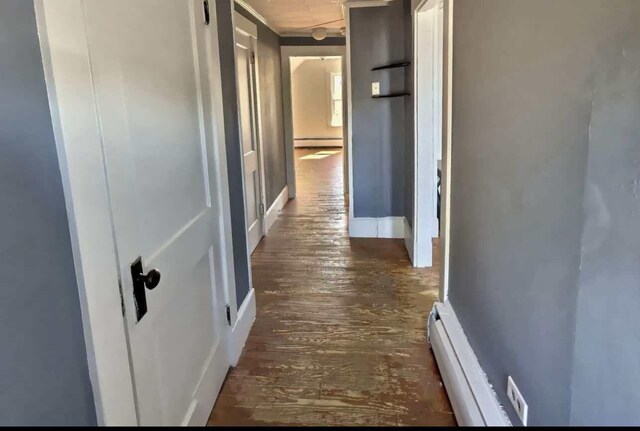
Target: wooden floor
339,337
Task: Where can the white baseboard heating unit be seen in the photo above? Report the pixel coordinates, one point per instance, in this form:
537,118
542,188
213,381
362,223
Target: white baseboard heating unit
473,400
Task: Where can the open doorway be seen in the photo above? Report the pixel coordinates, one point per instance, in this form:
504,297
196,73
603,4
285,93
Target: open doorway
433,54
317,114
316,101
315,111
428,86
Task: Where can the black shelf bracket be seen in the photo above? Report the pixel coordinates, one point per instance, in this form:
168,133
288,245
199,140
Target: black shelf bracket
386,96
392,66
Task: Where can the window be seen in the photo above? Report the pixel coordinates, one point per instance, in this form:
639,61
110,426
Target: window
336,100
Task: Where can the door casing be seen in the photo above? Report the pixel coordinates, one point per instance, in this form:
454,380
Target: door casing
249,29
63,40
312,51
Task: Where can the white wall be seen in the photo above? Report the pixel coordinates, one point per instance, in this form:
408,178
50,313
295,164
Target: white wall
311,96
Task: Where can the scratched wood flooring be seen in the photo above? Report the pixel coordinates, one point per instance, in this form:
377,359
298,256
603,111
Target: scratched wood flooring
339,337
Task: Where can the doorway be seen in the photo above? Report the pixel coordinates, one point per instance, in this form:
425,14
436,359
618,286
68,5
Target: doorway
246,50
315,105
433,57
428,86
316,101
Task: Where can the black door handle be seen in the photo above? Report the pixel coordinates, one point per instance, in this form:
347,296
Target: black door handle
152,279
140,282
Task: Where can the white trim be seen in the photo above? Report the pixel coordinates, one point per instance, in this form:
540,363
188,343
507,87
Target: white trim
68,75
242,327
473,400
286,53
272,214
256,15
245,25
365,3
408,238
384,227
73,111
428,126
447,153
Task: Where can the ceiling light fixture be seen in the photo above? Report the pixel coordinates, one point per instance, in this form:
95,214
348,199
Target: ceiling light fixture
319,33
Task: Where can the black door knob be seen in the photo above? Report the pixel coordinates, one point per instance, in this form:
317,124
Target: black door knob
152,279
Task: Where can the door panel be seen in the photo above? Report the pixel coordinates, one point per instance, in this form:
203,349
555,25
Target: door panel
149,96
248,134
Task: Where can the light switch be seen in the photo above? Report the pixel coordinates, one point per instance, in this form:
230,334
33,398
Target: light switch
375,88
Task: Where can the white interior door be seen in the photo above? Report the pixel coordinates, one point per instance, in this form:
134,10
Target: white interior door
148,59
245,69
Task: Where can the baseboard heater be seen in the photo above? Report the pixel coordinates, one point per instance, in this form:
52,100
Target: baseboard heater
473,400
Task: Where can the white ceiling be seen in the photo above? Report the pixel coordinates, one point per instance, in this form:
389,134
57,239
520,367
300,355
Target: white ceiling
298,16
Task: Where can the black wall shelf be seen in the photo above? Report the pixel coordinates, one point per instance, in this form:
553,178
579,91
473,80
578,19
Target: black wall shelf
386,96
392,66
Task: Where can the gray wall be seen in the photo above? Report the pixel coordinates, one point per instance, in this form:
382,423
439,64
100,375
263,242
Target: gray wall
43,363
309,41
234,148
271,109
378,151
530,88
607,349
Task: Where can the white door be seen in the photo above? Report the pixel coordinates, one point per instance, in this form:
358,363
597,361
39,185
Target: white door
148,59
245,67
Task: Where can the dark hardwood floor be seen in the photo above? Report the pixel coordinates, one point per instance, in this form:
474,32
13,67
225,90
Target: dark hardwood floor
340,336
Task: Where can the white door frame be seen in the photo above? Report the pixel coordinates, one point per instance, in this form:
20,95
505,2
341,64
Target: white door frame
308,51
440,109
428,42
245,26
65,51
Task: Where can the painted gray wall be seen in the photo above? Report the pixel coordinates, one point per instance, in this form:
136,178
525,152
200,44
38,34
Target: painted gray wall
529,86
43,363
271,109
378,151
309,41
234,148
607,348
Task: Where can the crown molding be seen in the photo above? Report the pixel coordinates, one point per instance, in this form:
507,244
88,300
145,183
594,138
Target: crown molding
256,15
365,3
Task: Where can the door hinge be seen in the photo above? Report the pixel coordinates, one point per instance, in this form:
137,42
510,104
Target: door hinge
229,315
207,14
261,209
253,58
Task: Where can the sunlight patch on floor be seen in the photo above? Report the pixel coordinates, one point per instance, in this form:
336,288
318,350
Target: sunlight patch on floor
319,155
314,157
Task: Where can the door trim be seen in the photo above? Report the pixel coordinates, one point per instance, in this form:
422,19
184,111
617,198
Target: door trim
311,51
428,130
244,25
65,53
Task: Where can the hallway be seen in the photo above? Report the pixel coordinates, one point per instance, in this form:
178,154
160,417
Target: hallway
340,336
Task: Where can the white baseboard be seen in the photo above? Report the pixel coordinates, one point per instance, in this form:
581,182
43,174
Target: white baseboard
473,400
385,227
242,327
272,214
408,238
314,143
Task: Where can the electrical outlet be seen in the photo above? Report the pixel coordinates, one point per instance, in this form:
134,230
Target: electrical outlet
375,88
517,400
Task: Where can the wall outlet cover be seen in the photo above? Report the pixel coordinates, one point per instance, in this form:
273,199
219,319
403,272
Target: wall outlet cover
517,400
375,88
